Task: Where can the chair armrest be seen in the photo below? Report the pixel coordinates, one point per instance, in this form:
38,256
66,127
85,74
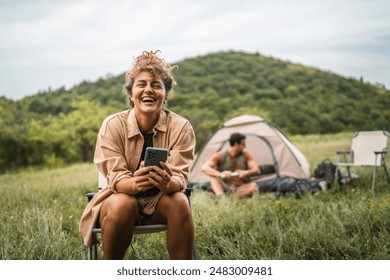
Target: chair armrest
189,190
344,157
90,195
380,152
343,152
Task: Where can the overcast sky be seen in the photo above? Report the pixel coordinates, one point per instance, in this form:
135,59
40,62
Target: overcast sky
46,43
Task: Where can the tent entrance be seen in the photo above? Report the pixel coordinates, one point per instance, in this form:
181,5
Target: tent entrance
260,148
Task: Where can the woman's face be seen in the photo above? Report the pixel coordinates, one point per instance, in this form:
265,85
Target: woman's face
148,93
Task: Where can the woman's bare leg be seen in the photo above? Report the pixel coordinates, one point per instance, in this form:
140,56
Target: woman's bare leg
118,216
174,210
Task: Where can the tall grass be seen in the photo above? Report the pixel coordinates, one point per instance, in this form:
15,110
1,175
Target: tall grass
40,211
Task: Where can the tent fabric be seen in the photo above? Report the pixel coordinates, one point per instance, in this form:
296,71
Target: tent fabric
268,145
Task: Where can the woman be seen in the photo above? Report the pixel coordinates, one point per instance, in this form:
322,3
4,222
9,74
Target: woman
136,194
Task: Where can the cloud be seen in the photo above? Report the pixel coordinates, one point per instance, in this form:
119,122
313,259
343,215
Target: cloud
88,39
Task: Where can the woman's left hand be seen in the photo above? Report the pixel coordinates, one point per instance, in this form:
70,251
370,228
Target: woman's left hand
160,177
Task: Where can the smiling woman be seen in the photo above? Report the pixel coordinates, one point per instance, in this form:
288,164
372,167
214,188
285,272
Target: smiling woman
136,194
147,63
148,94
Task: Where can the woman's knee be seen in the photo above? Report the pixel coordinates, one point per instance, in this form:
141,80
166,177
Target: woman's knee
178,206
119,208
173,206
179,200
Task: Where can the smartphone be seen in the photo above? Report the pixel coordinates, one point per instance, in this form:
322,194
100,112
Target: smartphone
153,156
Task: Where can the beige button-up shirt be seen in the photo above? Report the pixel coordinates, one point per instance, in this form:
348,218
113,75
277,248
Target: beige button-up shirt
119,145
118,153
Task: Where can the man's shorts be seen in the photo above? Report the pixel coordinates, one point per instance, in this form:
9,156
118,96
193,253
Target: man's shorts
229,188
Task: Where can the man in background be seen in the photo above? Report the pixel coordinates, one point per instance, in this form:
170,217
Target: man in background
230,170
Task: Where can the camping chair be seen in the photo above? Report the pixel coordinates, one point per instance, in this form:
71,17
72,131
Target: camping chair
92,252
368,149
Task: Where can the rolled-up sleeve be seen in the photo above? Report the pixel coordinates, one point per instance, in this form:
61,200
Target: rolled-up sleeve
110,153
181,154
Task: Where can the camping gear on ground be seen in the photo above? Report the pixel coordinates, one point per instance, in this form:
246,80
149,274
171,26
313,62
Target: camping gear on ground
326,171
368,149
276,156
287,186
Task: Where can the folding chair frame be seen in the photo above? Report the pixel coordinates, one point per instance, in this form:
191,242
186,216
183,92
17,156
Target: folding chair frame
347,157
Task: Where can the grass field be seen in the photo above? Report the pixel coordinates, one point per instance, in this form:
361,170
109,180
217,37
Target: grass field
40,211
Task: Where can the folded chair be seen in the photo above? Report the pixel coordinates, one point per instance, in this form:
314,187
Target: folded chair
92,252
368,149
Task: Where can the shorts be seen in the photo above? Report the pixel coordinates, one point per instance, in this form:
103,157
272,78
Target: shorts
144,219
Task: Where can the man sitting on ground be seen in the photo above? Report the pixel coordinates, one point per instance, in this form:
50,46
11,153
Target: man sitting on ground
230,171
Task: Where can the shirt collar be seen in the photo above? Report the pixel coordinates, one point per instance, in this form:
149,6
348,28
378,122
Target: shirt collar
133,128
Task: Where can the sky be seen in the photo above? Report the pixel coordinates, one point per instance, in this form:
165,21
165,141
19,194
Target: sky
50,44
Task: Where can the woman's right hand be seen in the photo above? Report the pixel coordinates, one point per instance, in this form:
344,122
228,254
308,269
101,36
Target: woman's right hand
140,179
139,182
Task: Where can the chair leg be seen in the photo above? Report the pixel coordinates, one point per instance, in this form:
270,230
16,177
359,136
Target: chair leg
95,251
94,248
336,173
387,174
349,173
373,178
195,256
336,176
92,252
89,253
348,167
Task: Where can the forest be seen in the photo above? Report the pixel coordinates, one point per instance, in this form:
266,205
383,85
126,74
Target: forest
59,126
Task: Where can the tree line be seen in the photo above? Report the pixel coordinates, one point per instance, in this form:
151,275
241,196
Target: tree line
60,126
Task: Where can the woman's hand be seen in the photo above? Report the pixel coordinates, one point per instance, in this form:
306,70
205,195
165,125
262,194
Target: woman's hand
140,180
160,177
148,177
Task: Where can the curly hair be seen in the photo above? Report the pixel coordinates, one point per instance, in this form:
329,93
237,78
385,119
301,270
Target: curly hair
149,61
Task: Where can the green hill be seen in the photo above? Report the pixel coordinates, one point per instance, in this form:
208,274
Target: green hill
61,125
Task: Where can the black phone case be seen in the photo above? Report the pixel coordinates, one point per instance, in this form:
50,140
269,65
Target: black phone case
153,156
